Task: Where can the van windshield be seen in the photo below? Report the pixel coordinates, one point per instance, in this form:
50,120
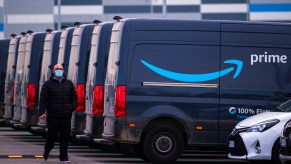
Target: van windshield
285,107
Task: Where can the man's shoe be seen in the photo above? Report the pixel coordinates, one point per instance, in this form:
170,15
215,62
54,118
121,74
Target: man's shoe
65,160
45,156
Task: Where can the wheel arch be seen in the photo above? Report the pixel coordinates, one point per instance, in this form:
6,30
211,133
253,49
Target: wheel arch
168,120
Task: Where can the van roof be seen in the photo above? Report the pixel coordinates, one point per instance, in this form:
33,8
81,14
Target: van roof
208,25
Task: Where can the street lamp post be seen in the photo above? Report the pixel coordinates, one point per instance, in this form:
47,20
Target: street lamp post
164,8
59,14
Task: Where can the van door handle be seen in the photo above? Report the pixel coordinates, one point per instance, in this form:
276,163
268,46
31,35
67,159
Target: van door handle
77,64
107,99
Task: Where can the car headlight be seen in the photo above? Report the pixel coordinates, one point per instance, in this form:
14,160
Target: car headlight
262,126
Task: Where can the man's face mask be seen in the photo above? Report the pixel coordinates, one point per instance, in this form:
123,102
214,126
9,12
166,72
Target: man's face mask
59,73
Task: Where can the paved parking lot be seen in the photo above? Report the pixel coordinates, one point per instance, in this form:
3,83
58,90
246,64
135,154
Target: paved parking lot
25,148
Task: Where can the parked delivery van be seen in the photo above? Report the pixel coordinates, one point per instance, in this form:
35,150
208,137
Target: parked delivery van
10,76
4,48
78,67
95,83
11,110
30,78
177,83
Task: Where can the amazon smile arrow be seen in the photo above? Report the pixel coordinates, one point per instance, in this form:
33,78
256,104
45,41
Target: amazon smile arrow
197,77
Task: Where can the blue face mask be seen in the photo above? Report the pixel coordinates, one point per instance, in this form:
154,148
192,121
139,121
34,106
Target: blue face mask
59,73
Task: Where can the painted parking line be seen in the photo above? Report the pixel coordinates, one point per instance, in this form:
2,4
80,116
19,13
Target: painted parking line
14,156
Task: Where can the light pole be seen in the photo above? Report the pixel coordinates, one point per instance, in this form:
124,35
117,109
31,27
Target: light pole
59,14
5,17
164,8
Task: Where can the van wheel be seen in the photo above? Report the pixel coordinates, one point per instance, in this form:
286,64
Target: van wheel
163,143
276,153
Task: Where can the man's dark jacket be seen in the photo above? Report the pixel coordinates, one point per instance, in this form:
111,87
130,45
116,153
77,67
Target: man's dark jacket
58,99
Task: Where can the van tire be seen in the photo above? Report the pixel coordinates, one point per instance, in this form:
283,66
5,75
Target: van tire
163,143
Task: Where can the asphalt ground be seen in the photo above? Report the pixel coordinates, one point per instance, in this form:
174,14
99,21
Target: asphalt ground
25,148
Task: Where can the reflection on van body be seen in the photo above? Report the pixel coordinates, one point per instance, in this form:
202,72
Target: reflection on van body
30,79
78,66
148,97
17,82
95,82
10,76
4,48
63,55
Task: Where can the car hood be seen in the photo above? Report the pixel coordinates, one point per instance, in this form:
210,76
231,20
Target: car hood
263,117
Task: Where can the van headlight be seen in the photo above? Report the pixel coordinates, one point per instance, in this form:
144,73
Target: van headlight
262,126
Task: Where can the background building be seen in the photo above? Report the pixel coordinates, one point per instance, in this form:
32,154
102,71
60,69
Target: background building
37,15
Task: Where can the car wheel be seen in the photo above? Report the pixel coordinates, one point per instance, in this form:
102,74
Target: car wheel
276,153
163,143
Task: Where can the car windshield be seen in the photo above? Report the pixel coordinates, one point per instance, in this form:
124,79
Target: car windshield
285,107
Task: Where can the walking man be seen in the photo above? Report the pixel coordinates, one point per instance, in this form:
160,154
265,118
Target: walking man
58,99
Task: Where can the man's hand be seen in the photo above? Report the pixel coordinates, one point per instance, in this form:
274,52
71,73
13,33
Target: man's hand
43,116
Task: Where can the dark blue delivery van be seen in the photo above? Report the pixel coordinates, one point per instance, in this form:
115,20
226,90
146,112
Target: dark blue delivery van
4,48
10,76
177,83
25,111
78,67
100,44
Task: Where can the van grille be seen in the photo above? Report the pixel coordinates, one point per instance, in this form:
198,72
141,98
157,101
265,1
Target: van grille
239,146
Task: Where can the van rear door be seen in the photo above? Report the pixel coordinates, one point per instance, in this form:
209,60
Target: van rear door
111,77
19,70
10,73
